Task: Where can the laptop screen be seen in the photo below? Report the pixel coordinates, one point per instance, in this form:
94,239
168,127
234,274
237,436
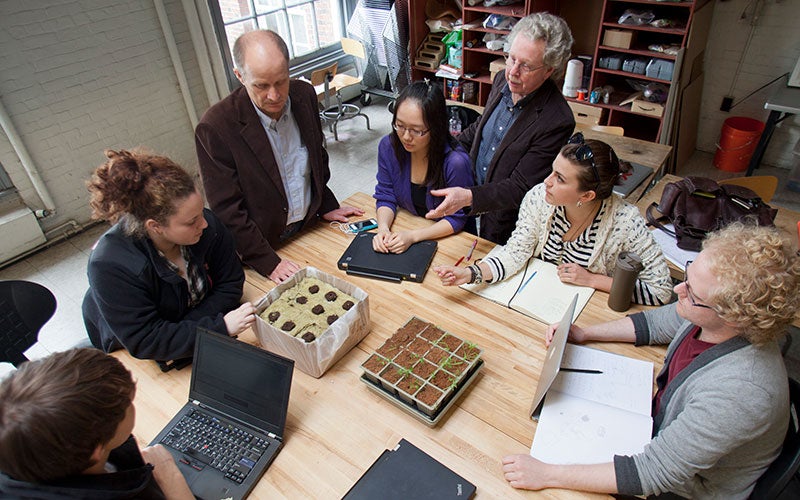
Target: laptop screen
242,381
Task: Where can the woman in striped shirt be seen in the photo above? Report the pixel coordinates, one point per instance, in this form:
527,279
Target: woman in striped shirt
575,221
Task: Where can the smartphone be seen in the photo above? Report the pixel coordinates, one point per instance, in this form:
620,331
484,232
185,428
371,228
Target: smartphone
362,225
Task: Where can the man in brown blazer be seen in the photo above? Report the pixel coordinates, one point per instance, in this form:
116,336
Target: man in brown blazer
262,156
524,125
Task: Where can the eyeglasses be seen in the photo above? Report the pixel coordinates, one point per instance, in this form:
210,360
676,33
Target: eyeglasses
689,290
523,67
584,153
401,130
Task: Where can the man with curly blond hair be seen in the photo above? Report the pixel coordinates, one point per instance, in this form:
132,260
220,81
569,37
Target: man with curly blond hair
722,406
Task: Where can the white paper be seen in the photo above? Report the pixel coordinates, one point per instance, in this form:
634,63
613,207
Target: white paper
625,383
590,417
579,431
669,245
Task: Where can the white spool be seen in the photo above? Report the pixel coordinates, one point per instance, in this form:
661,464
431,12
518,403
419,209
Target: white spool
573,77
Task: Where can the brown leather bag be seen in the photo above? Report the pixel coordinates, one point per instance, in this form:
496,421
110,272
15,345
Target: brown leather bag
698,205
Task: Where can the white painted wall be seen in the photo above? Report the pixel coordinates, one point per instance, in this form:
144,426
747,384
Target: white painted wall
81,76
774,49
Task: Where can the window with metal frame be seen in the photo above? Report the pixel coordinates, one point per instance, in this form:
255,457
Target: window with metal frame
311,28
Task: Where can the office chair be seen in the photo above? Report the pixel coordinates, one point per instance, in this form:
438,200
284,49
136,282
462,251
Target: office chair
762,185
780,480
24,308
332,115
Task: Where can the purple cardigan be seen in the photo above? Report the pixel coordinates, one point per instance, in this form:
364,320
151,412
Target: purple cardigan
394,181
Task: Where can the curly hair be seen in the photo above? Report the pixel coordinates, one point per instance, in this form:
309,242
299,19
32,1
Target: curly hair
555,33
759,279
609,167
134,186
55,411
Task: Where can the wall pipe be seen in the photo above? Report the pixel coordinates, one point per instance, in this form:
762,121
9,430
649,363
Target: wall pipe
174,55
26,160
200,50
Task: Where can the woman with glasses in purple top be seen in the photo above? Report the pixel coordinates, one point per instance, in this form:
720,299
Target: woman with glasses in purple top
572,219
418,156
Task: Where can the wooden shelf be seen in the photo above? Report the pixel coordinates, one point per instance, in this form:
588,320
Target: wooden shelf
481,29
484,50
516,10
660,3
639,52
631,75
645,27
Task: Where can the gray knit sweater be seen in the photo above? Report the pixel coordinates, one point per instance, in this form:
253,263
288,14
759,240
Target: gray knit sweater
722,419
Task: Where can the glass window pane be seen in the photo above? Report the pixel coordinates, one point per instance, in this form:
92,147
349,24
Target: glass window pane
329,25
234,9
265,6
301,19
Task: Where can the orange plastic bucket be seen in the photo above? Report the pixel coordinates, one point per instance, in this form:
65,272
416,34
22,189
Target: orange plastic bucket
737,141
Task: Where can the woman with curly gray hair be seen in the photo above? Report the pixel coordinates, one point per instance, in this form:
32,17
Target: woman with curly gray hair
722,406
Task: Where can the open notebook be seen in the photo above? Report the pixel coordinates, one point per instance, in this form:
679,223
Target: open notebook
541,293
590,417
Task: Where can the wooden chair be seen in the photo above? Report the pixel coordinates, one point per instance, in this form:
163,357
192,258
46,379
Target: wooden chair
762,185
609,129
329,83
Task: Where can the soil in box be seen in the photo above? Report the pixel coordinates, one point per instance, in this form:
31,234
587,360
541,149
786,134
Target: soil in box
406,359
468,351
423,369
424,376
436,355
449,342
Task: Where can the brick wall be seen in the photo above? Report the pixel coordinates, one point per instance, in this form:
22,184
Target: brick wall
81,76
774,49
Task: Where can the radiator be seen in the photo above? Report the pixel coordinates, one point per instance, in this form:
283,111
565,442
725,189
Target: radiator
21,233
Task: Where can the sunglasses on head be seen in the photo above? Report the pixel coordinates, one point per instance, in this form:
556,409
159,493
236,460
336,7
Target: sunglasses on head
584,153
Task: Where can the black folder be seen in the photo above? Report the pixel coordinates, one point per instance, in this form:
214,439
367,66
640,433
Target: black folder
361,260
408,472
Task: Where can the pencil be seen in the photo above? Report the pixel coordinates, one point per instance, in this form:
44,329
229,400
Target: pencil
579,370
459,261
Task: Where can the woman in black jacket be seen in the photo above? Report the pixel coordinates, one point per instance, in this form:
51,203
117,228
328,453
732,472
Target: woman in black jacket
167,265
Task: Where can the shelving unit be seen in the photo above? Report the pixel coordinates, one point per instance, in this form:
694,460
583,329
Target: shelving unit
475,59
637,125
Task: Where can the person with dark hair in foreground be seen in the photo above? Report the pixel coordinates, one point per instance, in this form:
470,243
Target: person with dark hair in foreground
418,156
65,432
166,267
721,410
262,156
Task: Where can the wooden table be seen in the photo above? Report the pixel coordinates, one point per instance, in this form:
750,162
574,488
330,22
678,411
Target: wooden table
337,427
649,154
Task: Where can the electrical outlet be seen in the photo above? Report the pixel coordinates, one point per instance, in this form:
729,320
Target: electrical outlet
727,102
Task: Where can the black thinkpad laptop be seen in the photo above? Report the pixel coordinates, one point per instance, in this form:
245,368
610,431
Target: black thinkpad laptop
361,260
231,429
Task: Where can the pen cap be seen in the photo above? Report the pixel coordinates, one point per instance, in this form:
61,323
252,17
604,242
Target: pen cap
625,274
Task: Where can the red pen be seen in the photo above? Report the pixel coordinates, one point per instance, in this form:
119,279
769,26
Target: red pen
459,261
472,249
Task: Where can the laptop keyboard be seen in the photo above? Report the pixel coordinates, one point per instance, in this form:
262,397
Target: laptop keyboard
223,446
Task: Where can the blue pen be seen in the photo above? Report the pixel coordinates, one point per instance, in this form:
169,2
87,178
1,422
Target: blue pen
528,281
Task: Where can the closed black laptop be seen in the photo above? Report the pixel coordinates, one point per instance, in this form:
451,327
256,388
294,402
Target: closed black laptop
231,429
360,259
408,472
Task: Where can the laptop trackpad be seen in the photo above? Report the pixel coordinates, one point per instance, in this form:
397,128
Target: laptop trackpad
205,485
